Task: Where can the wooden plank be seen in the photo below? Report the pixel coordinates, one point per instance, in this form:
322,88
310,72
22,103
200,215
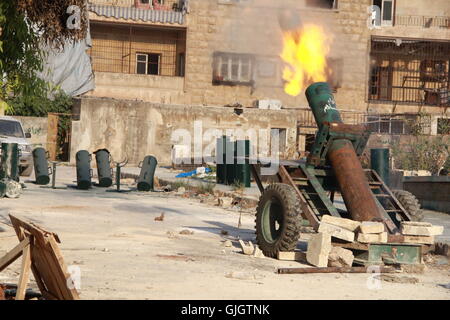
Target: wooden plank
24,273
52,135
14,254
47,262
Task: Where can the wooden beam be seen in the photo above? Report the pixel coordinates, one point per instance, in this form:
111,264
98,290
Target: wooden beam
24,274
14,254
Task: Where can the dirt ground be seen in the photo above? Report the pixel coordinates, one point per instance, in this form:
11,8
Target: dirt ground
123,253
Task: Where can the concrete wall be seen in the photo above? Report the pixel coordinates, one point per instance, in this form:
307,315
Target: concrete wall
432,192
134,129
37,126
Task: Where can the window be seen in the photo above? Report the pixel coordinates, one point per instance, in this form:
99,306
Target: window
148,63
443,126
232,68
386,10
181,64
324,4
409,71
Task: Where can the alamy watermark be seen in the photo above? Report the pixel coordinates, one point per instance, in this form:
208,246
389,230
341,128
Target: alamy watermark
202,147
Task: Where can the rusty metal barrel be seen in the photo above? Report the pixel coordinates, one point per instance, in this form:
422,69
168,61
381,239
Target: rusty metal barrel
342,157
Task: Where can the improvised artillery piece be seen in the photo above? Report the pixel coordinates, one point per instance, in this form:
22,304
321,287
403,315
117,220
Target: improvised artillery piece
306,189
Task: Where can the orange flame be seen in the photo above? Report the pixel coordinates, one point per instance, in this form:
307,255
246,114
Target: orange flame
304,52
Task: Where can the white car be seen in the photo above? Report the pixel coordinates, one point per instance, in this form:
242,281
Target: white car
11,131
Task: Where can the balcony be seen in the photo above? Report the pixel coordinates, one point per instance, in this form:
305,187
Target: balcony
423,21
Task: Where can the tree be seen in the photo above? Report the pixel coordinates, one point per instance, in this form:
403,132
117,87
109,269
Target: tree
26,25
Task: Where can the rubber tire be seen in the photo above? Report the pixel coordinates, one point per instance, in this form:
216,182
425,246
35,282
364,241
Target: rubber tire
26,171
289,230
410,203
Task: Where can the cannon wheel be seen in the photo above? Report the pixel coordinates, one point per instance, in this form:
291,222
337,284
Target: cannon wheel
278,219
410,203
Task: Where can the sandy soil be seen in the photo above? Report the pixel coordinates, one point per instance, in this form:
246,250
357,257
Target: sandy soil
123,253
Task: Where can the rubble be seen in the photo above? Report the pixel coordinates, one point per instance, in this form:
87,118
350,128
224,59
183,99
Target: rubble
257,253
160,218
247,249
227,243
319,247
186,232
340,257
370,227
225,202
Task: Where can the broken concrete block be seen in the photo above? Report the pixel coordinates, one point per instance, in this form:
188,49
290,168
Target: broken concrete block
340,257
372,237
368,227
341,222
291,255
225,201
337,232
257,253
181,190
227,243
419,239
319,247
413,230
247,249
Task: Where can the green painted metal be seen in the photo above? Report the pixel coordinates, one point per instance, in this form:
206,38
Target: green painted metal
271,215
83,162
9,166
379,161
243,169
221,168
103,160
146,177
321,101
230,166
391,253
40,162
316,193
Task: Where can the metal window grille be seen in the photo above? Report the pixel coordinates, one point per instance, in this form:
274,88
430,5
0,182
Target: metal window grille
131,49
410,71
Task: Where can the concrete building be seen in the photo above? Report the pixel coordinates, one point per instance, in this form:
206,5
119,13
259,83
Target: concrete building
386,66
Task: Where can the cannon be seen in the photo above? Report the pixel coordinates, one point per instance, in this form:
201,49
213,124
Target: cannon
304,190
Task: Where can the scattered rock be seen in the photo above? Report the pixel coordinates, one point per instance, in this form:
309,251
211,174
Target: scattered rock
243,275
224,232
340,257
105,250
247,249
175,257
227,243
225,202
78,262
171,235
186,232
160,218
257,253
292,256
181,190
413,268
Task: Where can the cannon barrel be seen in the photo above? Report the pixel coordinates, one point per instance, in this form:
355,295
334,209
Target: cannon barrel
342,157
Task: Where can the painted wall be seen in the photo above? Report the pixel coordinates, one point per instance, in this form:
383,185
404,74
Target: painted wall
37,126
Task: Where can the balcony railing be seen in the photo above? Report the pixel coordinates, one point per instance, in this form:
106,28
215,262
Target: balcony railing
166,5
423,21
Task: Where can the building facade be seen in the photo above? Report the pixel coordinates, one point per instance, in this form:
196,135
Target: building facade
388,62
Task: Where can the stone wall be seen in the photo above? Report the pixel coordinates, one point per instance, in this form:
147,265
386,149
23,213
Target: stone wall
134,129
254,28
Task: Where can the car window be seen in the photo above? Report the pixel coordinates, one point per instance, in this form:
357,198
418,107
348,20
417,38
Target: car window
11,129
